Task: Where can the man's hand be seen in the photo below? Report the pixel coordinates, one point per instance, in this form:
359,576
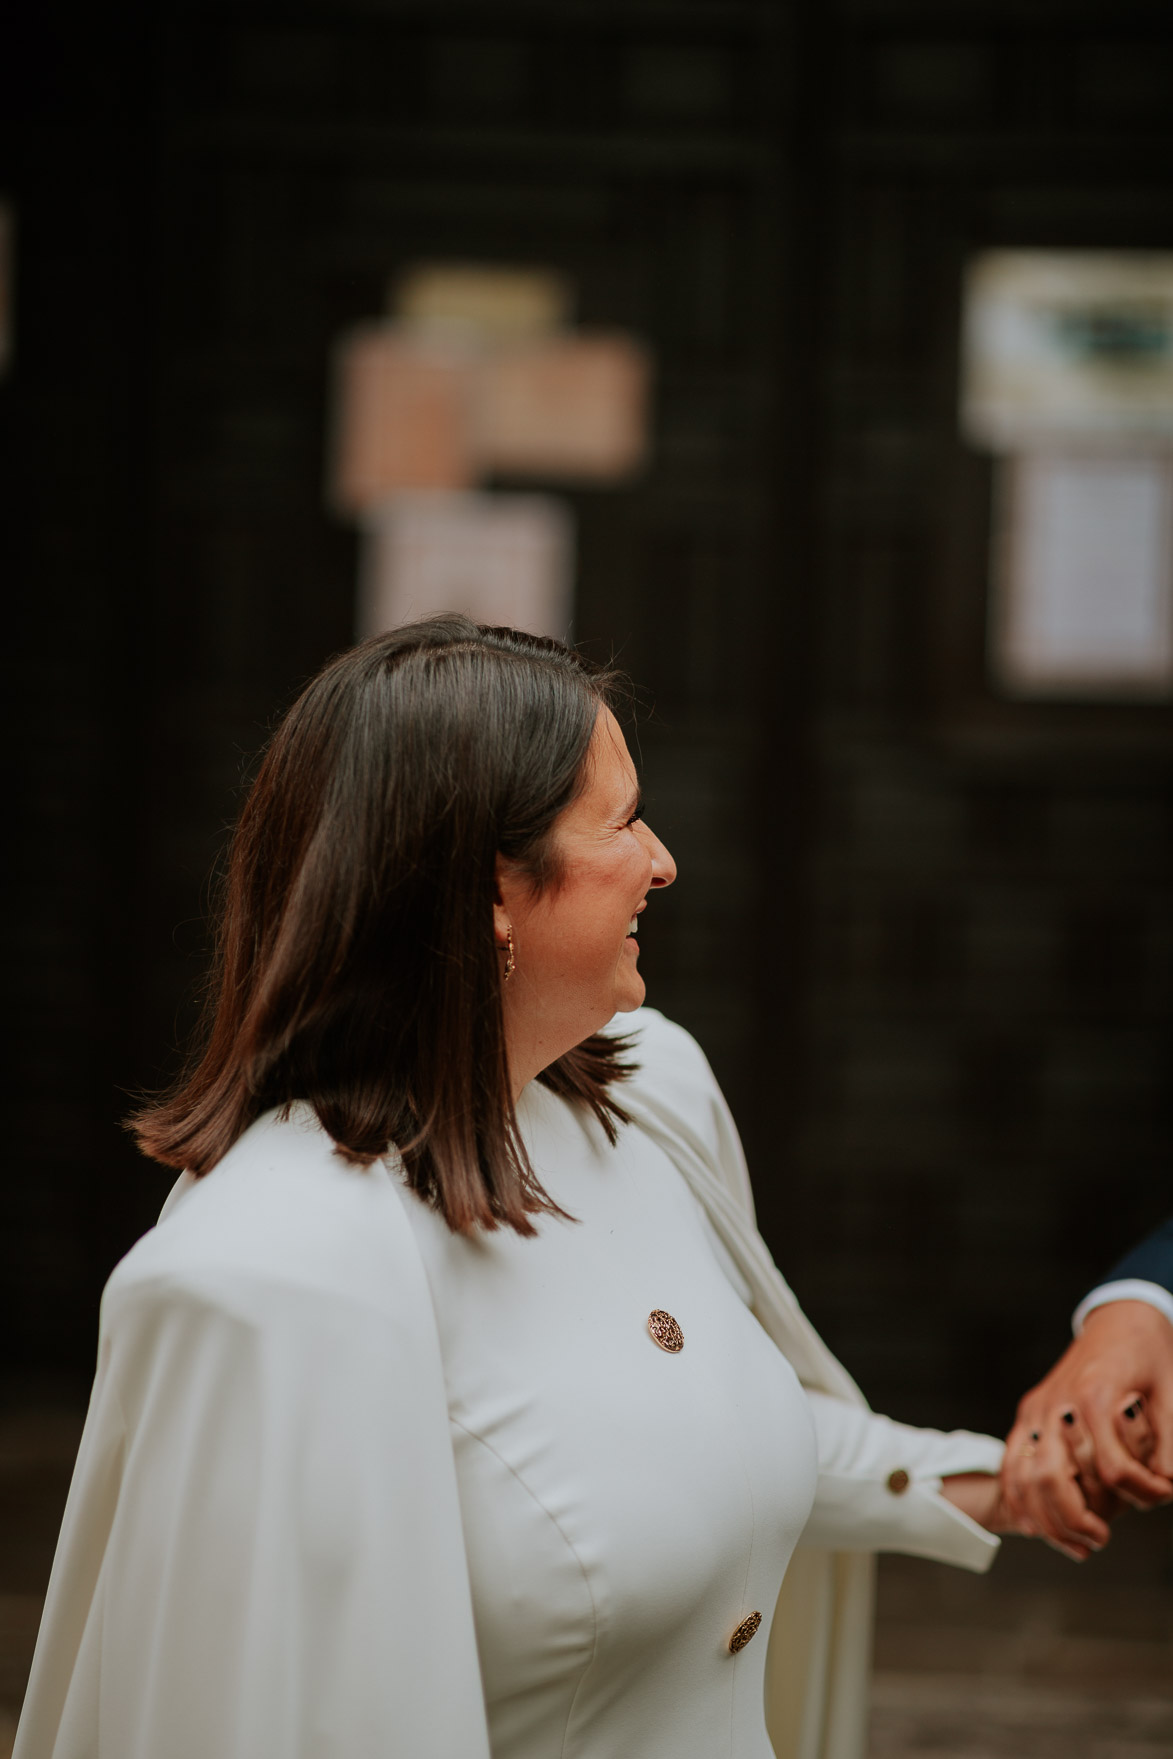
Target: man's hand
1125,1347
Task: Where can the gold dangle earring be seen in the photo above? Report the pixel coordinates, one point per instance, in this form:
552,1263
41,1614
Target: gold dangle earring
510,961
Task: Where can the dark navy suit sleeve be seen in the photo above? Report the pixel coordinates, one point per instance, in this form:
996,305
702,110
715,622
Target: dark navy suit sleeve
1151,1261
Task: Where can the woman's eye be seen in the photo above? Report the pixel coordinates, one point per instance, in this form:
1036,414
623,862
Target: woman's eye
636,815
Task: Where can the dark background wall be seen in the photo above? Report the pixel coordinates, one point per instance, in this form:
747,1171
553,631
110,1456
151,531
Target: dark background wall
924,934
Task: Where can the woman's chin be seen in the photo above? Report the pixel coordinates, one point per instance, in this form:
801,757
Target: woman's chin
630,994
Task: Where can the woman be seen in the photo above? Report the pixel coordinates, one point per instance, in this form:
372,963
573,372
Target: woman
454,1408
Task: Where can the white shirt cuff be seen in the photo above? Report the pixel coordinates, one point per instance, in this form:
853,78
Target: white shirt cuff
879,1486
1127,1289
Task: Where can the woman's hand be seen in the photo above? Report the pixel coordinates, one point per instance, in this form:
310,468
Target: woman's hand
979,1495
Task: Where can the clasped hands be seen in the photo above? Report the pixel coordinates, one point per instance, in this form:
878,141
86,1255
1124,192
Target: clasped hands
1093,1437
1096,1434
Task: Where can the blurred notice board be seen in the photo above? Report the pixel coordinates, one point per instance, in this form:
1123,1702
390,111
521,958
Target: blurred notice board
1067,346
501,559
476,376
1067,377
1083,601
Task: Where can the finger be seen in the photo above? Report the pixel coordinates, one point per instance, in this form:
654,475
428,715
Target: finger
1037,1517
1050,1502
1055,1510
1160,1415
1079,1445
1078,1554
1066,1518
1118,1470
1016,1476
1074,1434
1135,1430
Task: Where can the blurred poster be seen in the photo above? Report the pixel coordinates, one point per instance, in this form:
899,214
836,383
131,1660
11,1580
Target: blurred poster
570,406
414,411
481,303
498,558
1083,601
1063,346
477,376
402,417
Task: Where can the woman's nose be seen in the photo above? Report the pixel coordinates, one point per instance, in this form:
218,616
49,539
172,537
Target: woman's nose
663,866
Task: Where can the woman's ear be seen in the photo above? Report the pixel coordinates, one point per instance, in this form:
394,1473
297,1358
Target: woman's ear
514,896
502,920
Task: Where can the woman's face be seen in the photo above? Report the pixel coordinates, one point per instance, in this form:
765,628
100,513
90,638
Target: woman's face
575,950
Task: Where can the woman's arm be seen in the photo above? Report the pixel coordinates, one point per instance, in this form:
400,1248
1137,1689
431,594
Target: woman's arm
880,1483
880,1486
262,1553
268,1553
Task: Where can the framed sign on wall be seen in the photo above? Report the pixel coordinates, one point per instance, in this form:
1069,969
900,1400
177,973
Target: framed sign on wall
1082,600
1068,379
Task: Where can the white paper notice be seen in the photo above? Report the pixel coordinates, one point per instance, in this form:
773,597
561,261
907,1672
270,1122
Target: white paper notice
1083,601
498,558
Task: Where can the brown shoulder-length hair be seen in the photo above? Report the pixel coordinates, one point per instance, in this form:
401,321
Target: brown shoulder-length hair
356,965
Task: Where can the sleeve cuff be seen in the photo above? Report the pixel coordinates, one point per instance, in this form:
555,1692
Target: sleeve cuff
850,1515
880,1486
1127,1289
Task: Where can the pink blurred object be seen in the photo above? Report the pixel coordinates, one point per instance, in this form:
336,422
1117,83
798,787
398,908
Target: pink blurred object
498,558
571,406
403,417
419,413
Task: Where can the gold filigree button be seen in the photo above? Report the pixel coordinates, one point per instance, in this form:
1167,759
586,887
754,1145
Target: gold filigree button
665,1331
745,1632
898,1481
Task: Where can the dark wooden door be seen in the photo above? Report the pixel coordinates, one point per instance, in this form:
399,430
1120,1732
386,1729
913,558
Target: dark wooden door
923,934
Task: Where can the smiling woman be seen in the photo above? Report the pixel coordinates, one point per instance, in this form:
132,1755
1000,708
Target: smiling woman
425,782
456,1407
576,954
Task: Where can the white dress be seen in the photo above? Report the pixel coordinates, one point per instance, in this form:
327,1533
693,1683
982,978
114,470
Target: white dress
624,1508
354,1488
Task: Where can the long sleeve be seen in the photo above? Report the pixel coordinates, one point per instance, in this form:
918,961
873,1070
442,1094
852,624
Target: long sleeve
1143,1274
1151,1261
262,1555
879,1481
879,1486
